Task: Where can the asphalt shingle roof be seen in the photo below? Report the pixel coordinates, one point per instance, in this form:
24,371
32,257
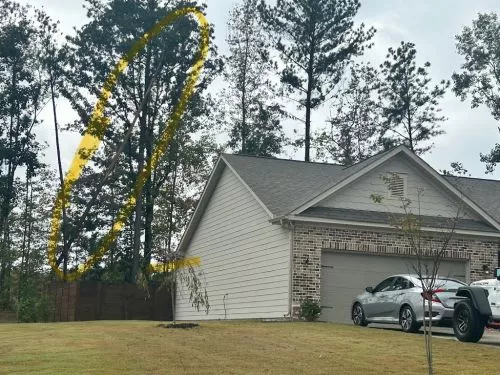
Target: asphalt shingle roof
485,193
284,185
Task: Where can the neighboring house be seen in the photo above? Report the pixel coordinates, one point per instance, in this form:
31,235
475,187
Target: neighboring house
271,232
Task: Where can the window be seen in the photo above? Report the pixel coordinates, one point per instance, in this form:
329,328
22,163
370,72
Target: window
385,285
396,185
402,283
449,285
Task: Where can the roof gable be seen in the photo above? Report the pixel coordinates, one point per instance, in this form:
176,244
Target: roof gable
208,191
430,198
289,187
282,184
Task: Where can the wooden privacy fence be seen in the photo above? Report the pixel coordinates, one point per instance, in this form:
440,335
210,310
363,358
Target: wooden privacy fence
90,300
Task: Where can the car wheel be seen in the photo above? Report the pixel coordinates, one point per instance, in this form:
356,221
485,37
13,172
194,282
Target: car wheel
358,315
468,324
408,320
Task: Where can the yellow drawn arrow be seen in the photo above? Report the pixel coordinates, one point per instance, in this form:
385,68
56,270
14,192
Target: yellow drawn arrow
95,132
170,266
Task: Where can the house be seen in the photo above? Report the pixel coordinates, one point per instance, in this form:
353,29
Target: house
272,232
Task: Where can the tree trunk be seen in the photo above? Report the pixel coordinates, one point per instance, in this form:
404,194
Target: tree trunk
244,127
6,201
428,334
143,140
172,297
308,126
310,87
136,247
61,177
149,208
23,245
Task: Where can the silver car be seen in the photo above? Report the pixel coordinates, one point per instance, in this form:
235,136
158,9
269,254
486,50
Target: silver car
399,300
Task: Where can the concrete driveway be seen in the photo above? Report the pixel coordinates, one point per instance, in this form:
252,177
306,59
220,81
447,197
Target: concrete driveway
491,337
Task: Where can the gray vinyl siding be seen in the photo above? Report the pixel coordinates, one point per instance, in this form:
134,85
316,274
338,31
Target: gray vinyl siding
435,200
243,257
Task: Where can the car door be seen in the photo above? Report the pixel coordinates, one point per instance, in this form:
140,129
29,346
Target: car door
375,305
397,295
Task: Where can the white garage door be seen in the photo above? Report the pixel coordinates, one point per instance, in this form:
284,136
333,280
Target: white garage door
344,276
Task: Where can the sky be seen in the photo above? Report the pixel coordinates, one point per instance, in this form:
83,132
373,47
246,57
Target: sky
431,25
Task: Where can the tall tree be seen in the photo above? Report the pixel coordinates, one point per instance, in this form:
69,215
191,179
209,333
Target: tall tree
479,77
22,94
409,103
141,102
355,117
316,39
251,110
30,229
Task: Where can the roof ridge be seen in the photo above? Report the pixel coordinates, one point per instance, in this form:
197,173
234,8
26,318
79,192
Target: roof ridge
313,162
282,159
372,156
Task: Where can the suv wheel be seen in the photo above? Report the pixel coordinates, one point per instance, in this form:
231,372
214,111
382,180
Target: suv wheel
408,320
358,315
468,324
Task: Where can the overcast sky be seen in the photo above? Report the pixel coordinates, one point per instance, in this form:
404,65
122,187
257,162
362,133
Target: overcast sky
431,25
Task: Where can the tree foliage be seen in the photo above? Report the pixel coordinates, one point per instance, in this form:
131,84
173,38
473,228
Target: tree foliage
316,39
355,117
409,101
251,111
23,91
142,101
479,78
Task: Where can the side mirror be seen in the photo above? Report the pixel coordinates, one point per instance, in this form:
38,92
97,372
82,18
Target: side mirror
369,289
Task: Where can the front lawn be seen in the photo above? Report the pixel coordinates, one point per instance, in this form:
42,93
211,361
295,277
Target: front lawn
138,347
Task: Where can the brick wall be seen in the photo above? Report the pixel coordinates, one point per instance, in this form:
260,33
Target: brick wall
309,239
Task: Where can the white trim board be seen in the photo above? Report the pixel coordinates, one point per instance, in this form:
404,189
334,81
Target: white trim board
357,224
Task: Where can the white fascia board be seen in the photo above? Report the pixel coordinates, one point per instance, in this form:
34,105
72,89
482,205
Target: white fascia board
350,223
248,187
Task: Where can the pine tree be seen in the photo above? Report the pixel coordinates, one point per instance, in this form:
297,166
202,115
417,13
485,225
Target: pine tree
251,111
355,117
479,78
316,39
410,111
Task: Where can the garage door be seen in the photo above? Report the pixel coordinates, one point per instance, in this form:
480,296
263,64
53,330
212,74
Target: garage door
344,276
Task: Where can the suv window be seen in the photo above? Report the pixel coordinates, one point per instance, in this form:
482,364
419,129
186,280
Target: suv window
385,285
401,283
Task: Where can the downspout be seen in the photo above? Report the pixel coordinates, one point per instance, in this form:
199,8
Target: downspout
290,280
285,223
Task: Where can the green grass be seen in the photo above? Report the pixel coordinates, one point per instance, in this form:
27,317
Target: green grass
133,347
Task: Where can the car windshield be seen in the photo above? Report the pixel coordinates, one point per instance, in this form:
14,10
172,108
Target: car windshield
447,284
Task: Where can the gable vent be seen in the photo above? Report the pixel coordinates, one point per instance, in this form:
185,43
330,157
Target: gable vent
397,185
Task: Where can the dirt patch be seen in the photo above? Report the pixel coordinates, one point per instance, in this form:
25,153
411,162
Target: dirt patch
179,325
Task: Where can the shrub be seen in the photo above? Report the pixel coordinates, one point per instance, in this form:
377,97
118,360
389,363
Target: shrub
33,309
310,310
26,310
